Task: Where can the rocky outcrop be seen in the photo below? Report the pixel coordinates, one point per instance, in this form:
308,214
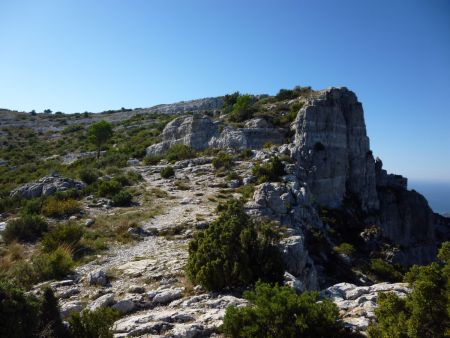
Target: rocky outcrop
332,149
192,106
193,130
357,303
200,132
46,186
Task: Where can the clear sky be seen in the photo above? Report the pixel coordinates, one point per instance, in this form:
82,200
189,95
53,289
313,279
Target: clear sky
80,55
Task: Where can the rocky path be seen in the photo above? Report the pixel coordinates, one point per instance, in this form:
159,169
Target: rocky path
145,280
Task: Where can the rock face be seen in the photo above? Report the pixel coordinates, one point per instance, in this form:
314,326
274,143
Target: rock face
46,186
200,132
332,149
357,303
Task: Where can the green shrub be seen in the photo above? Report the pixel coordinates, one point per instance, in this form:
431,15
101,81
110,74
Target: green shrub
152,160
62,234
109,188
27,228
179,152
54,207
424,312
345,248
234,251
385,271
32,207
277,311
122,198
243,109
17,311
89,175
93,324
167,172
269,171
246,153
286,94
223,160
54,265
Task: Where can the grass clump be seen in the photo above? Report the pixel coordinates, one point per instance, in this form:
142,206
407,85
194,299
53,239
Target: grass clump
109,188
26,229
88,175
234,252
277,311
63,234
167,172
59,208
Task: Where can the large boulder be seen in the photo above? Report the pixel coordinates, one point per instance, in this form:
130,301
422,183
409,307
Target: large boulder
46,186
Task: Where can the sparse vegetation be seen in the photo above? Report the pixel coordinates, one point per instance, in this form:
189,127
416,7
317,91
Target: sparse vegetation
179,152
167,172
93,324
385,271
54,207
269,171
27,229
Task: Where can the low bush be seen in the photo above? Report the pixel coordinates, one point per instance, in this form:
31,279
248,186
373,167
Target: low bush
93,324
58,208
223,161
424,312
62,234
109,188
277,311
167,172
32,207
179,152
27,229
55,265
345,248
385,271
88,175
269,171
152,160
122,198
234,252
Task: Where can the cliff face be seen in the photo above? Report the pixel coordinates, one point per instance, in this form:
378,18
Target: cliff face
333,155
333,150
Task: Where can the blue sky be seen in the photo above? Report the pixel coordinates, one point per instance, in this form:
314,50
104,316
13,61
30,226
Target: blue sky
81,55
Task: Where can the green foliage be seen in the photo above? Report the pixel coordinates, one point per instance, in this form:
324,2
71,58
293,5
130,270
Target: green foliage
54,207
167,172
109,188
62,234
179,152
234,251
27,229
17,312
50,323
269,171
93,324
122,198
243,109
32,207
152,160
385,271
277,311
345,248
229,101
100,133
88,175
54,265
424,313
223,160
286,94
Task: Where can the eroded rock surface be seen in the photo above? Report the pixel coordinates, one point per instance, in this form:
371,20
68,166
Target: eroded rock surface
46,186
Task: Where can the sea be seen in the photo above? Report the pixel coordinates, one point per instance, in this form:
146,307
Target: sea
437,193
